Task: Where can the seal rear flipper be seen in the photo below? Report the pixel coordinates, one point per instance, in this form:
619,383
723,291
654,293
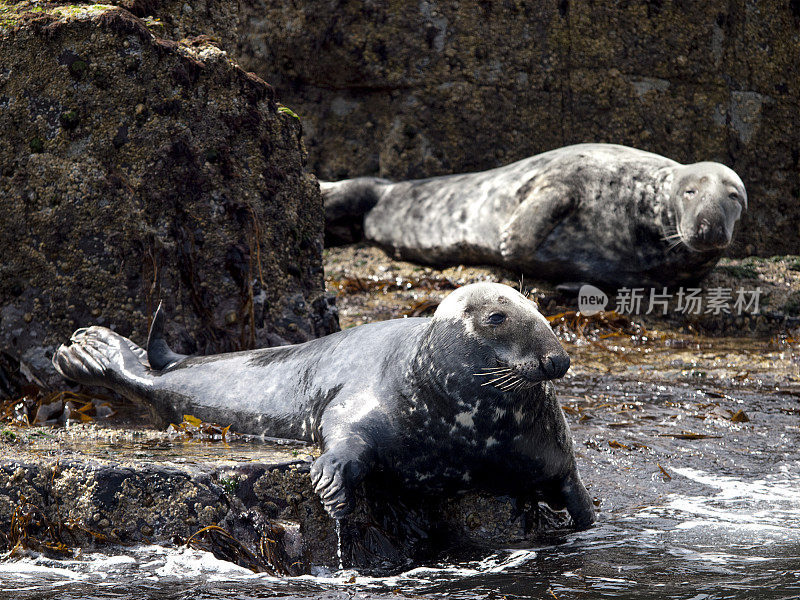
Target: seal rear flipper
99,356
159,354
346,204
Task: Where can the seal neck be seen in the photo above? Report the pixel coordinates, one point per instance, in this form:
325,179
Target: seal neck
663,202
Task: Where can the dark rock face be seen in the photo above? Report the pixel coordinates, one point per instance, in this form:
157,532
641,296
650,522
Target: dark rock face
135,169
409,90
263,500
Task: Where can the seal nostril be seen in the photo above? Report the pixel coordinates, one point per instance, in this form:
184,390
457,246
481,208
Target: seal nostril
546,365
558,365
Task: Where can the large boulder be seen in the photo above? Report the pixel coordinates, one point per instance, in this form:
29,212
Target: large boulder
415,89
134,170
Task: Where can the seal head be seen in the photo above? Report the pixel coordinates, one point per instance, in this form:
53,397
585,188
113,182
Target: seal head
708,199
511,344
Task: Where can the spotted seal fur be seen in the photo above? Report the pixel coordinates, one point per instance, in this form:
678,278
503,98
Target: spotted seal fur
600,213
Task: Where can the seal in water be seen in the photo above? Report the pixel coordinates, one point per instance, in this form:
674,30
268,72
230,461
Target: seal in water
599,213
459,401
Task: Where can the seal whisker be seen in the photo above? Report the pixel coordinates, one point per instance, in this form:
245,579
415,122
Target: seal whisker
494,381
675,245
498,376
493,372
508,385
503,379
503,376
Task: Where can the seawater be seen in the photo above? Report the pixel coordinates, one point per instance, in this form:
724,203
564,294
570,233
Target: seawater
721,521
740,538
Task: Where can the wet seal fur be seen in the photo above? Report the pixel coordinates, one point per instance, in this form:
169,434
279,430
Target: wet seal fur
460,401
600,213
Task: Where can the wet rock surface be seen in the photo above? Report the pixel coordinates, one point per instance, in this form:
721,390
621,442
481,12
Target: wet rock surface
137,169
120,486
90,486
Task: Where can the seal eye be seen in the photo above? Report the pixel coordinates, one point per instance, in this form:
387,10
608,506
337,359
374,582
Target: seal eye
496,318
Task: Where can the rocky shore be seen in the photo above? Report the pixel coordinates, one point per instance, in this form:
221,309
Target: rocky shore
372,285
651,409
644,401
251,502
140,162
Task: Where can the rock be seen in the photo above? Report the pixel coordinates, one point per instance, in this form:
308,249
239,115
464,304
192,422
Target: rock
123,486
395,89
137,169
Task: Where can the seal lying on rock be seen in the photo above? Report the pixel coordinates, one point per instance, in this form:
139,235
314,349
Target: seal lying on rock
459,401
599,213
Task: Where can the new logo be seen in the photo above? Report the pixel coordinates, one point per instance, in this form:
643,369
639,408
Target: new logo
591,300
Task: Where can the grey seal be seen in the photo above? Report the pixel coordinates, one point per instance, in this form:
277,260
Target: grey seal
460,401
599,213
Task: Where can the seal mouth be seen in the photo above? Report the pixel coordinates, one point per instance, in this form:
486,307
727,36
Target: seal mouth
705,239
709,229
508,377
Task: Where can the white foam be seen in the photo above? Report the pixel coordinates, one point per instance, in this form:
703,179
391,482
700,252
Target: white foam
185,563
35,568
766,508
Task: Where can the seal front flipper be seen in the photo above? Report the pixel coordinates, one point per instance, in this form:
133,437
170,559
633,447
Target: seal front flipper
534,219
337,472
578,503
159,355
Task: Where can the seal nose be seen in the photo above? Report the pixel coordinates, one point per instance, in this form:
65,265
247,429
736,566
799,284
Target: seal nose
712,235
710,231
555,365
